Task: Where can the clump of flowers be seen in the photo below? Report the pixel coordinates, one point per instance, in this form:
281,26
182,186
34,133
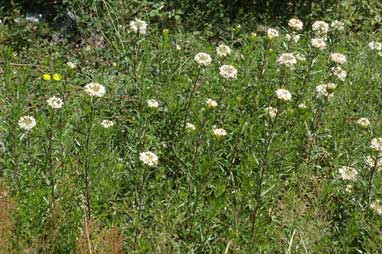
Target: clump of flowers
271,111
223,50
324,90
348,173
95,89
283,94
295,24
374,45
376,206
338,58
190,126
149,158
339,73
228,71
152,103
138,26
203,59
337,25
272,33
211,103
318,43
107,123
219,132
376,144
27,122
55,102
57,77
287,59
320,27
374,162
364,122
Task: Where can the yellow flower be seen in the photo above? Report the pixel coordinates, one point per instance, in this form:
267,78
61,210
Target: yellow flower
46,76
57,77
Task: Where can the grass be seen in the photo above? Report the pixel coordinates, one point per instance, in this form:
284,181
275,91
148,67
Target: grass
271,185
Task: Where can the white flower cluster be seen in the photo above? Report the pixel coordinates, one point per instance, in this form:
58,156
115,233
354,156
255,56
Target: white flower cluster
338,58
337,25
325,90
319,43
374,162
376,206
211,103
283,94
152,103
364,122
348,173
203,59
272,33
374,45
295,24
107,123
339,73
287,59
149,158
223,50
27,122
138,26
320,28
376,144
219,132
271,111
55,102
228,72
95,89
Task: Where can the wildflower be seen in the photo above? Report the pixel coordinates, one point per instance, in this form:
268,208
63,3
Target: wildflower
296,24
211,103
228,72
190,126
337,58
219,132
348,173
107,123
253,36
57,77
95,89
376,144
374,162
177,47
374,45
152,103
27,122
46,77
138,26
288,37
149,158
272,33
325,89
320,27
287,59
165,32
271,111
71,65
296,38
376,206
337,25
203,59
348,188
283,94
318,43
223,50
300,57
55,102
339,73
364,122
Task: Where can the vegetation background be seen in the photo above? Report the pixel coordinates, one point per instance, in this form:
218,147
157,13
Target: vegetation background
271,185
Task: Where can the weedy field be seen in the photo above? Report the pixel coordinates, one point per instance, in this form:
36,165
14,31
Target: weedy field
158,141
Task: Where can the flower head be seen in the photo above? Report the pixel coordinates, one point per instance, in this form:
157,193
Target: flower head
364,122
374,162
149,158
318,43
95,89
27,122
46,77
339,73
376,206
348,173
271,111
325,90
337,58
190,126
219,132
138,26
152,103
107,123
320,27
71,65
57,77
203,59
55,102
376,144
287,59
295,24
223,50
283,94
228,72
272,33
374,45
211,103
